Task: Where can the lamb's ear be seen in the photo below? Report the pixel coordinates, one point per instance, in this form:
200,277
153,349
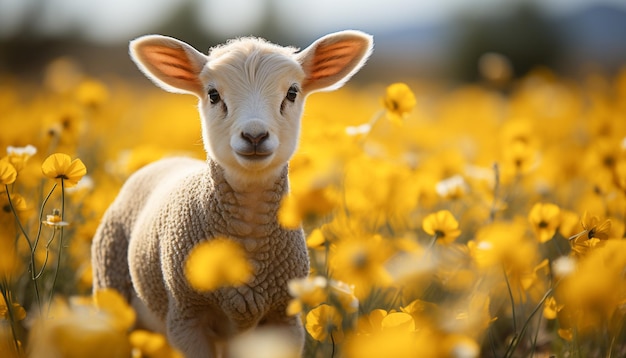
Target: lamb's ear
172,64
330,61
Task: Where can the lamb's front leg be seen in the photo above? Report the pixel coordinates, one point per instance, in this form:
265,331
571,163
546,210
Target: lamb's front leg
186,331
109,257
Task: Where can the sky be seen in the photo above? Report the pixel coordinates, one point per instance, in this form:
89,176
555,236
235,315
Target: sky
110,21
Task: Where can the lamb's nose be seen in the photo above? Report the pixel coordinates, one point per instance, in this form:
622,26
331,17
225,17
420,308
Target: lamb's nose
256,138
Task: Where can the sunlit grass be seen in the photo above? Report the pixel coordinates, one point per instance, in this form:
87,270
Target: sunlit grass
455,223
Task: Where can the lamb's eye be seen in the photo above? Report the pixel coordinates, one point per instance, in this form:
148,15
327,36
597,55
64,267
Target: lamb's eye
214,96
292,93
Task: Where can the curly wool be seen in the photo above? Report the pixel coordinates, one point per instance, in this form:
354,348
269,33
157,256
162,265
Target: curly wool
149,230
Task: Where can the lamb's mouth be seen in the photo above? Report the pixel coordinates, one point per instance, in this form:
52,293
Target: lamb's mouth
254,156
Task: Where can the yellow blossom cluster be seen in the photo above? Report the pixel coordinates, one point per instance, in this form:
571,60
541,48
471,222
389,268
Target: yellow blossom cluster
463,222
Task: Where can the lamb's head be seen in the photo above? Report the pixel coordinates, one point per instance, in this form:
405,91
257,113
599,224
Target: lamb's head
251,92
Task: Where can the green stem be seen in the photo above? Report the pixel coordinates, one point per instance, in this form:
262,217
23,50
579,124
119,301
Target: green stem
41,211
496,189
58,266
33,248
518,338
611,346
377,116
30,246
492,341
397,297
508,286
432,242
45,262
9,304
534,346
17,218
555,243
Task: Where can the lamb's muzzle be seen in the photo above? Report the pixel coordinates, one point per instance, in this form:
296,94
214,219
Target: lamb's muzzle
251,95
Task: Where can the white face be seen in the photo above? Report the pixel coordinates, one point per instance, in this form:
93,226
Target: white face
251,113
251,92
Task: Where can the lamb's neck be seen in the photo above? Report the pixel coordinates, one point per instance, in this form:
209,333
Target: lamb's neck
251,210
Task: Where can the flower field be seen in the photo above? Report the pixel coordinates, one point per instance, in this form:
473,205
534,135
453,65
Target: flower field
481,220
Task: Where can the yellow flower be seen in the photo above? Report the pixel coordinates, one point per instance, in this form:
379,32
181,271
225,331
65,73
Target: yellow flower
152,345
76,329
545,219
61,167
566,334
304,203
121,314
92,93
442,225
399,100
18,156
395,343
595,294
18,202
379,320
312,291
594,228
551,308
343,294
594,233
360,262
371,322
324,321
215,263
17,311
472,316
316,239
309,290
400,321
504,245
8,174
453,188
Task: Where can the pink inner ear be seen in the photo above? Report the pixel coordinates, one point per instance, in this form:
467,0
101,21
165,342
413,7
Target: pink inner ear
332,59
171,62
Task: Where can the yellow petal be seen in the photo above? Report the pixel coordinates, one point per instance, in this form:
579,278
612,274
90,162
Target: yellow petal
294,307
315,239
60,166
8,174
110,301
55,165
398,320
216,263
75,172
289,214
399,100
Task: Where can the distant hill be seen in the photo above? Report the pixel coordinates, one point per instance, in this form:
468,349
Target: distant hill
594,36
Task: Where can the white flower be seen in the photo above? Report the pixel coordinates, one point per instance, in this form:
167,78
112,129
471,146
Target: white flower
356,130
28,150
454,186
299,287
563,266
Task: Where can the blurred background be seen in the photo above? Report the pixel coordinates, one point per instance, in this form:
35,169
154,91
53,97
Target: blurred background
437,40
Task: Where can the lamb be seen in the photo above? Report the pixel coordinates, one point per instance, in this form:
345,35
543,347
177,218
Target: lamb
251,96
